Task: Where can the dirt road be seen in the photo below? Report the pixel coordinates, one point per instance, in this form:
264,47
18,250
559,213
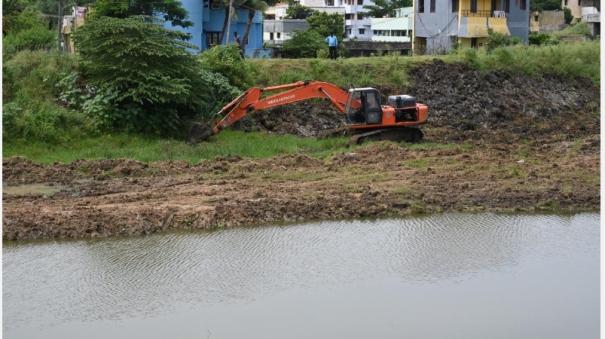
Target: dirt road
125,197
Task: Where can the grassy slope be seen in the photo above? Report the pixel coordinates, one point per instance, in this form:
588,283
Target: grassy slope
567,59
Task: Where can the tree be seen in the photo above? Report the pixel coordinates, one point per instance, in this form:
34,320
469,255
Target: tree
567,15
304,44
326,24
172,10
298,11
385,8
252,6
545,5
143,76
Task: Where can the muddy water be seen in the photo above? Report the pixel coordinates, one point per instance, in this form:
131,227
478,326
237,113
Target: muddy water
444,276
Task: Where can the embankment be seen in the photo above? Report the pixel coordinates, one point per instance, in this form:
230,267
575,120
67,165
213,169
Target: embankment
495,141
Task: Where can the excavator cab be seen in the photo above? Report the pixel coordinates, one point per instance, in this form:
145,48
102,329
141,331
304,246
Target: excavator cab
363,106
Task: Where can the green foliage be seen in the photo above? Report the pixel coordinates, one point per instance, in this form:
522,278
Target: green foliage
172,10
566,59
567,15
545,5
542,39
226,60
143,71
326,24
30,112
496,39
305,44
298,11
385,8
27,30
580,29
142,148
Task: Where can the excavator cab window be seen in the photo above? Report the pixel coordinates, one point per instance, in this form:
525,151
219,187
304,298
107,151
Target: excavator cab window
363,106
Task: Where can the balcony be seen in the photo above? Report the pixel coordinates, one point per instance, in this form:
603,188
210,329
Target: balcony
590,14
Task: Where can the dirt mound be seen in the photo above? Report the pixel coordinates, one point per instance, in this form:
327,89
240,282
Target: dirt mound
19,170
463,99
306,119
466,99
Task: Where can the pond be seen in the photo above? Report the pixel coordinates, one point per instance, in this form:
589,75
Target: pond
440,276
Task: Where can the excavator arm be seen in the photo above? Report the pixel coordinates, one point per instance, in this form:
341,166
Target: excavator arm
251,100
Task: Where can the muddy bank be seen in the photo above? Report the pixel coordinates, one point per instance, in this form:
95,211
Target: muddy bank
123,197
464,99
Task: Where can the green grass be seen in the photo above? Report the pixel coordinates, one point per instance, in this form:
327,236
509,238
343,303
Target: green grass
227,143
391,72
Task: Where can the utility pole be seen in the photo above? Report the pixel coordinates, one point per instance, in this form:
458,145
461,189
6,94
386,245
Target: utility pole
228,21
60,25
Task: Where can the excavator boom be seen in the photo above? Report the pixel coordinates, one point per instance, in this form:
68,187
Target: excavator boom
252,100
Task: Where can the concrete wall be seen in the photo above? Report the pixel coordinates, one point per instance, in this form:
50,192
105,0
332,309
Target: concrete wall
548,21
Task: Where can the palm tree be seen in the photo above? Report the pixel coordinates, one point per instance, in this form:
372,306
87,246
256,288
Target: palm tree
382,8
252,6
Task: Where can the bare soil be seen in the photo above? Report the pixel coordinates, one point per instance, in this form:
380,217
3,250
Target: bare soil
539,156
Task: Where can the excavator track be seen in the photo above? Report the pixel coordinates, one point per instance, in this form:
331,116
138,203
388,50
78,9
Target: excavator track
408,134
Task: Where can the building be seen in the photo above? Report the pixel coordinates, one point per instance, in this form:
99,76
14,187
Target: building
397,29
208,17
441,24
70,24
546,21
357,24
591,14
279,30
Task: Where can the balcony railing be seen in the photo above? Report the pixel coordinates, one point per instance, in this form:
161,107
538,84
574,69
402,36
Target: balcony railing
484,13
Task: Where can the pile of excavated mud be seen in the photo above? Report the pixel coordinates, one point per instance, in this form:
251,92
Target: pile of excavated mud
462,98
306,119
465,98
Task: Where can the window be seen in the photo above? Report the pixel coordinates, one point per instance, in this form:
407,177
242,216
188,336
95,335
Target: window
359,16
360,2
474,42
271,36
362,31
565,2
348,16
348,32
329,2
278,35
535,17
432,6
473,6
455,6
420,6
523,5
213,38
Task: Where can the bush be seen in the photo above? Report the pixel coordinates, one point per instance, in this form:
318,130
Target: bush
495,40
227,61
143,77
27,30
567,15
30,112
542,39
305,44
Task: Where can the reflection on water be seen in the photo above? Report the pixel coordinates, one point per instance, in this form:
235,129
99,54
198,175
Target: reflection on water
458,271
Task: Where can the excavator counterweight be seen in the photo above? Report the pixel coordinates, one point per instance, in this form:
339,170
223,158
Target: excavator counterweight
366,117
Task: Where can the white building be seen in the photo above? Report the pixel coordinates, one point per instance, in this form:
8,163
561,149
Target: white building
397,29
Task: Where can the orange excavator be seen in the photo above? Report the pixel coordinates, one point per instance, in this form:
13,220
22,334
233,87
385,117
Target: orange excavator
366,117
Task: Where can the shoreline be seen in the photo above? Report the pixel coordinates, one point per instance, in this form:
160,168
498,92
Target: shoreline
102,198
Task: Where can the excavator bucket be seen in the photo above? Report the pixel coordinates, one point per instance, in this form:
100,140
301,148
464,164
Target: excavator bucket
199,132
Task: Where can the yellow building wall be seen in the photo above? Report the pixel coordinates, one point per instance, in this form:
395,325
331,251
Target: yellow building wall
466,42
482,5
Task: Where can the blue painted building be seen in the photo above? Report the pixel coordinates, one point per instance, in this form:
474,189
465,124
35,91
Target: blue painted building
208,17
